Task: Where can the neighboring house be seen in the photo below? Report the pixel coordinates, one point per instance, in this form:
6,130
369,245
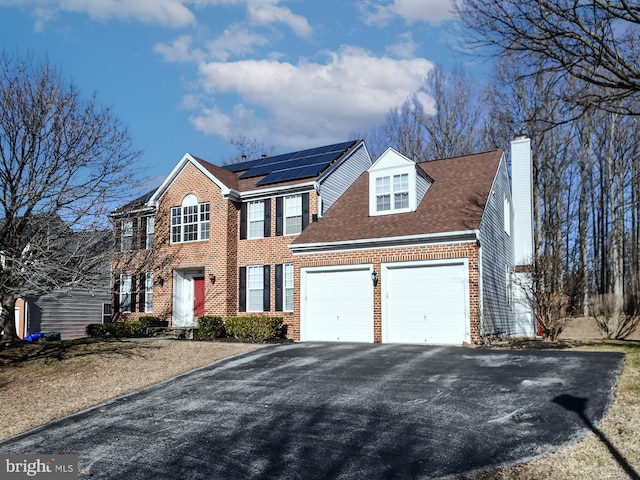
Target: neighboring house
68,312
342,249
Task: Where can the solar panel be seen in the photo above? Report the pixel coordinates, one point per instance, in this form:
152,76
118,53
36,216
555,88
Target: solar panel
291,166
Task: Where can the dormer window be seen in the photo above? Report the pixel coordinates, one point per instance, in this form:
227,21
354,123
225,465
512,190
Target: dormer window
395,186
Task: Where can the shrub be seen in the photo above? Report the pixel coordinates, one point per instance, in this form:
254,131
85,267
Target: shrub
615,318
255,328
94,330
150,322
130,328
210,327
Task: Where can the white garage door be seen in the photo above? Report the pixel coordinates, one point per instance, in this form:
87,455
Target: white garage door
337,304
425,302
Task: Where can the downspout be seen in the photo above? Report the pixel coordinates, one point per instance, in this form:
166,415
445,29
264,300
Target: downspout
480,295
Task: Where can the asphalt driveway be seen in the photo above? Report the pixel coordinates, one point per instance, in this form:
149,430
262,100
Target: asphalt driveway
352,411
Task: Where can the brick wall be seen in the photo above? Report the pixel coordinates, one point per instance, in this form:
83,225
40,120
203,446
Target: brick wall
376,257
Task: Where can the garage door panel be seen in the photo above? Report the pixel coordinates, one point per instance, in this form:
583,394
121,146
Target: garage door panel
338,305
425,303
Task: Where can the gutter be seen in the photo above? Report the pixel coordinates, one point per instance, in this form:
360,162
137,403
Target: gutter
464,236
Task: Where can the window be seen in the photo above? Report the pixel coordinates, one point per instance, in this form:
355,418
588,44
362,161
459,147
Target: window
288,287
256,219
148,290
400,193
126,235
125,293
292,214
106,312
150,232
255,288
507,216
383,194
190,222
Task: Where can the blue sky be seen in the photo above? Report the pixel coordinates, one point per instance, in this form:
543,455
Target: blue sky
187,75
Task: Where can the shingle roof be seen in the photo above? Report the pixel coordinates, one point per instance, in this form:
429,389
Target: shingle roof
454,202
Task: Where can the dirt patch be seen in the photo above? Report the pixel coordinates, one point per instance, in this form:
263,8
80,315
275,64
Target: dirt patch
43,381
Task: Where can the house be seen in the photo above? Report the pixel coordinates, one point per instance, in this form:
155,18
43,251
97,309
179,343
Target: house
67,310
342,248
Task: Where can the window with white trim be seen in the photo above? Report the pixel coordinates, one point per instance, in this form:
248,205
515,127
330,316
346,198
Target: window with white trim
288,287
255,288
125,293
292,214
126,235
148,293
150,232
190,222
255,219
392,193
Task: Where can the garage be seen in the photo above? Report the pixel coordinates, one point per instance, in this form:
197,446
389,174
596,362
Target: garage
336,304
425,302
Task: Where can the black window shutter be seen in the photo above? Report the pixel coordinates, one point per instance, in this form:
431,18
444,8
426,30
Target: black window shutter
116,295
142,281
266,293
279,285
142,239
278,216
134,291
243,222
134,243
242,305
117,233
267,217
305,210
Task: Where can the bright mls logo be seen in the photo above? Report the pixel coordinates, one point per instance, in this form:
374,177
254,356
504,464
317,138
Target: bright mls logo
50,467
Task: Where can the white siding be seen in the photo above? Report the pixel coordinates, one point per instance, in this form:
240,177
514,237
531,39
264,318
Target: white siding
422,185
497,316
341,178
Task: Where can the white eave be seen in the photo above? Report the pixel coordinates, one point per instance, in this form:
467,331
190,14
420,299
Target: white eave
464,236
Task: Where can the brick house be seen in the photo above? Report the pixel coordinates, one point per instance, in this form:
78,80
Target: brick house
342,248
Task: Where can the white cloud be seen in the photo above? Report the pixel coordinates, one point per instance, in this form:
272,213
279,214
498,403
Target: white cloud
179,50
168,13
375,12
266,12
405,47
235,40
306,102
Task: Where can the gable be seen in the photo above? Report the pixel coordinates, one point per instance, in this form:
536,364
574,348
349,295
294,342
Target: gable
395,185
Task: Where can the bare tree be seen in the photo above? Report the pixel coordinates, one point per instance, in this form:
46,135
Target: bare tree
63,164
597,42
454,128
248,149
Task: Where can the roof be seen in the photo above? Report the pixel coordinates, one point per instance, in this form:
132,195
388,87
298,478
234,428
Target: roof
454,203
285,170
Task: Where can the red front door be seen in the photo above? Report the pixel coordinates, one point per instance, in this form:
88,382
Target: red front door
198,297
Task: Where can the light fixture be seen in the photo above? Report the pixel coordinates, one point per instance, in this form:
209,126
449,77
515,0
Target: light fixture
374,278
212,277
161,281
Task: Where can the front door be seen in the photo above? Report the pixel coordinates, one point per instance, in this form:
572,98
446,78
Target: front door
198,297
188,297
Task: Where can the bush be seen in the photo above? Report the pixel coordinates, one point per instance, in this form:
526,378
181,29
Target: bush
130,328
615,318
210,327
255,329
150,322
